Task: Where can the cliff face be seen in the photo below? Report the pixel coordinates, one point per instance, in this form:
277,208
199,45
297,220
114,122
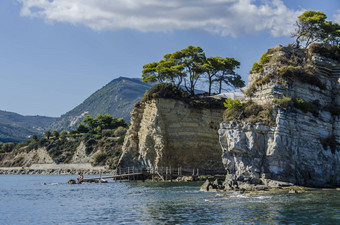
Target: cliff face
23,158
303,147
168,132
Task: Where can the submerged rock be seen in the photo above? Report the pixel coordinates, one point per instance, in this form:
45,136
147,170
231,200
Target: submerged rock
72,181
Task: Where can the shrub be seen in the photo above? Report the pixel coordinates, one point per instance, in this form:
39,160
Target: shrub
264,59
99,159
62,152
73,132
265,80
91,141
120,131
108,132
257,68
88,149
248,112
304,106
85,137
8,147
89,145
112,162
290,71
251,89
328,51
305,75
164,90
231,104
283,102
120,140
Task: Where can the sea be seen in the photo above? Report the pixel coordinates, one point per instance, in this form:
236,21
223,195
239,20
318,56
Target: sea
47,199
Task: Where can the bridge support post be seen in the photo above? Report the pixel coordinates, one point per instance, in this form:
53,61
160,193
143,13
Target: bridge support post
170,174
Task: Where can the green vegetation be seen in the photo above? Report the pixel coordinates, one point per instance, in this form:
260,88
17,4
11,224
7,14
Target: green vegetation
16,128
99,159
190,65
269,77
264,59
287,70
120,131
313,27
257,68
303,74
103,135
7,147
248,112
283,102
328,51
312,107
166,90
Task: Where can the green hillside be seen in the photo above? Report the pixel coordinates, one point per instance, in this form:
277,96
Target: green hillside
117,98
16,128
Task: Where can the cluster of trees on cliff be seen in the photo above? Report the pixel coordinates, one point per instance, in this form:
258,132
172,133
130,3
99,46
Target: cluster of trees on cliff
92,131
313,27
189,66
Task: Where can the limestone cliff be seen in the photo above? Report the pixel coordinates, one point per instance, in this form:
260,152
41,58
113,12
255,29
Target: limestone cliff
23,158
302,145
168,132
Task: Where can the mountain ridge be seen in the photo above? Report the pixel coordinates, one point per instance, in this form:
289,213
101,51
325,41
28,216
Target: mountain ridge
116,98
17,128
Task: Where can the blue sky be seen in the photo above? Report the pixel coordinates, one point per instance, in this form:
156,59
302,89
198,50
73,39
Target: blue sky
54,54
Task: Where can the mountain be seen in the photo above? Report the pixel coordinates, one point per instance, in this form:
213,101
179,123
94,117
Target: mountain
117,98
16,128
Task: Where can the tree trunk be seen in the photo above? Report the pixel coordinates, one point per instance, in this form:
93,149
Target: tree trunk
210,83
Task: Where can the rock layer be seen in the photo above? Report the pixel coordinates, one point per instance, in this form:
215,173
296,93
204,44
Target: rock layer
303,148
168,132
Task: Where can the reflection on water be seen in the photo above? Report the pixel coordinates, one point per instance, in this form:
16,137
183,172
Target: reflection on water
48,200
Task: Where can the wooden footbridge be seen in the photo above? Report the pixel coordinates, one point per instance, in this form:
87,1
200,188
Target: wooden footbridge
154,173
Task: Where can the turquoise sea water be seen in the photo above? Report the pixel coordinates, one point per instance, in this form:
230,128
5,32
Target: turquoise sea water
42,199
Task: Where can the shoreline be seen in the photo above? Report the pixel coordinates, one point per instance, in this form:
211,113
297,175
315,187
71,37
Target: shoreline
55,169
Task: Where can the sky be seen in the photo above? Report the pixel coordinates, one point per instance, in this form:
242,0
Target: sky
56,53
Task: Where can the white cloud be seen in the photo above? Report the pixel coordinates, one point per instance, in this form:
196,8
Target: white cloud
225,17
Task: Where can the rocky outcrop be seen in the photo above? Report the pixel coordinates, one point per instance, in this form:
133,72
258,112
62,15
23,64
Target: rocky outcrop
168,132
41,161
303,147
24,158
80,155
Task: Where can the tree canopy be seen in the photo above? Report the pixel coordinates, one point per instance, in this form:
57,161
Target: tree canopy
100,123
188,66
313,27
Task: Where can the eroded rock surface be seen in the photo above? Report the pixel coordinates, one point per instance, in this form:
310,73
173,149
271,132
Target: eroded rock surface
302,148
167,132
